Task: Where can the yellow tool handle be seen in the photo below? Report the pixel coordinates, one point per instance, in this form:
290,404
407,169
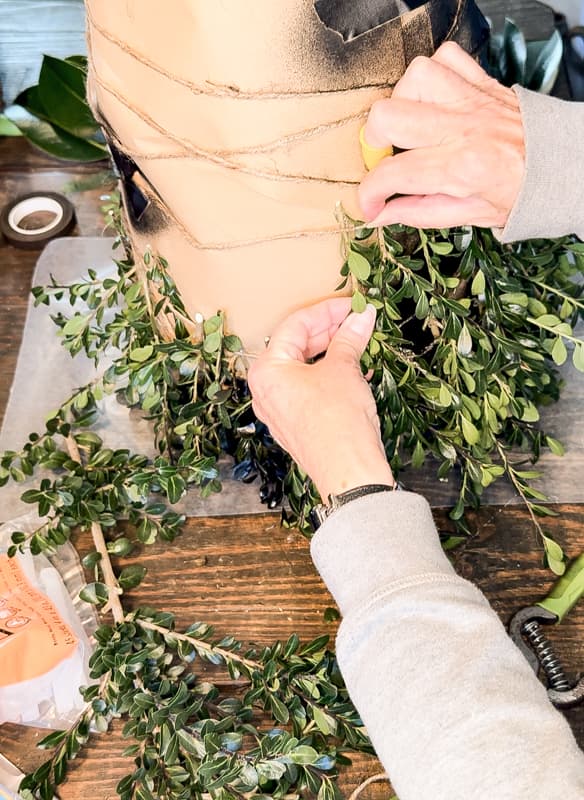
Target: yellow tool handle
372,155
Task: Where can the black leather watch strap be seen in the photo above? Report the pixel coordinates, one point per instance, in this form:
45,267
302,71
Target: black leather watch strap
320,512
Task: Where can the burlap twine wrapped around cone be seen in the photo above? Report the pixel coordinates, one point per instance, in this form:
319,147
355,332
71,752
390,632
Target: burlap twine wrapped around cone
235,125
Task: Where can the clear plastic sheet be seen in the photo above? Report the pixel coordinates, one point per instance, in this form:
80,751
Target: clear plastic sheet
46,375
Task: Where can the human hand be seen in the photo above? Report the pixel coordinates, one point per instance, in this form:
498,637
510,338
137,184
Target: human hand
322,413
463,142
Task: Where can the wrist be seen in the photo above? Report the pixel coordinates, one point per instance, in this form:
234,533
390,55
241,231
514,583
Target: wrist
357,472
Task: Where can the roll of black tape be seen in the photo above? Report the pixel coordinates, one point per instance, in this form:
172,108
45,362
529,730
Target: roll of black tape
33,219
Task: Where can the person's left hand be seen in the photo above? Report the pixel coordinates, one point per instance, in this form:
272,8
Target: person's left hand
322,413
463,149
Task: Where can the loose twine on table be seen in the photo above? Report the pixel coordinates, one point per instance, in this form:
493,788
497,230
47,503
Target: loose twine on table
223,158
381,776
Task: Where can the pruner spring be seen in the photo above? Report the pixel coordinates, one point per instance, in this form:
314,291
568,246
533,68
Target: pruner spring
526,631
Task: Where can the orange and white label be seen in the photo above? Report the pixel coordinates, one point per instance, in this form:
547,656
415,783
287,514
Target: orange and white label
33,637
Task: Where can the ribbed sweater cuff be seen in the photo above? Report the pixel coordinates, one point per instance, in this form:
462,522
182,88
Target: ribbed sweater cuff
551,199
376,540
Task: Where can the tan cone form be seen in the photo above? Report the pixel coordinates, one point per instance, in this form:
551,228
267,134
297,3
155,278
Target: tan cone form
186,86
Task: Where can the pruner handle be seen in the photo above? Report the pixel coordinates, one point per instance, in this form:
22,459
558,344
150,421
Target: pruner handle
566,591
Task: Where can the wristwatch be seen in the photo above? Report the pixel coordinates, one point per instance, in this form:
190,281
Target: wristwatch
322,511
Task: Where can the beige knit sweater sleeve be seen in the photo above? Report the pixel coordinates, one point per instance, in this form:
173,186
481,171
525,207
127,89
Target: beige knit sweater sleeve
551,200
451,705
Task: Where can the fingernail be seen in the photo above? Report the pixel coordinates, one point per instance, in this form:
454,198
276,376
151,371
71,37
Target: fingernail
362,322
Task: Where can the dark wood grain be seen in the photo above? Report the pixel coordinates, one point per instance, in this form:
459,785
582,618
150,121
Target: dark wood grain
250,578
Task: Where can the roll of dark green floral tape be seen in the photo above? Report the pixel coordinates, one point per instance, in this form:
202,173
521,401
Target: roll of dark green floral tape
32,220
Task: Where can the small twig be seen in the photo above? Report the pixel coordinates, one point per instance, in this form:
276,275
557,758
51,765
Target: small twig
519,489
199,643
113,604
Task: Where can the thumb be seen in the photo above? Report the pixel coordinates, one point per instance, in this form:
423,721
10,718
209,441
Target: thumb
351,339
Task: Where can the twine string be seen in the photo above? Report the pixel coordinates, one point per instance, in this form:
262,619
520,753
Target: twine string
215,89
381,776
224,158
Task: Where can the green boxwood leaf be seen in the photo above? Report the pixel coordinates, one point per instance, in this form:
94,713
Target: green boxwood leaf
212,342
559,352
554,555
95,593
91,559
358,302
478,284
76,324
131,576
141,354
469,431
578,357
358,266
555,446
304,754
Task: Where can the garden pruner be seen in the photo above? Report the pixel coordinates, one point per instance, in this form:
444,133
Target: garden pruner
526,631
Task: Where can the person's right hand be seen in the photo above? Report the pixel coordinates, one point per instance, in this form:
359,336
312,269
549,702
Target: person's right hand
463,142
322,413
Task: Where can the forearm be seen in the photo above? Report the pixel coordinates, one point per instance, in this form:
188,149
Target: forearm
551,198
452,707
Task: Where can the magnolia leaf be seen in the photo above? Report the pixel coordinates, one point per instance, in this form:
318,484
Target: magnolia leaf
54,140
544,73
61,91
515,53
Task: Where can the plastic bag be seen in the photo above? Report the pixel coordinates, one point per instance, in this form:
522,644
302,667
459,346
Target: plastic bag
45,632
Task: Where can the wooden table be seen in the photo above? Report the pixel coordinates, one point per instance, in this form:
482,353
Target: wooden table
245,574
